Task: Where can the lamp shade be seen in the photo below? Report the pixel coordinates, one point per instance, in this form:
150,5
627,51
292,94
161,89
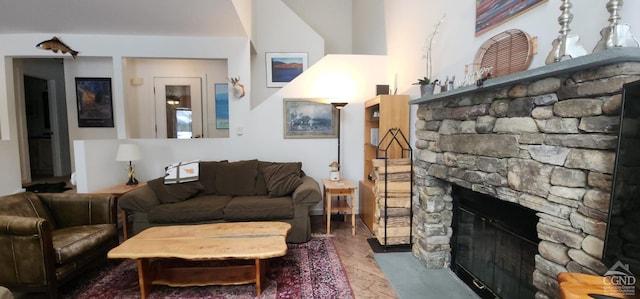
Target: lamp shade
128,152
339,105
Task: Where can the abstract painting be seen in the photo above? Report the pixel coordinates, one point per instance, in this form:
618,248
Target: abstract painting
222,105
492,13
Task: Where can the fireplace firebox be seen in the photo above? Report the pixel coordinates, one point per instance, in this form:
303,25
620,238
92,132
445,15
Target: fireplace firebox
494,244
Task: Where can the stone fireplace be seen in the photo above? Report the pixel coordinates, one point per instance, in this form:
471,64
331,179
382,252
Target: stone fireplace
544,139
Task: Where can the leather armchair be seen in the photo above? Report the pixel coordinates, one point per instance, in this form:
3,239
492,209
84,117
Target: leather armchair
47,239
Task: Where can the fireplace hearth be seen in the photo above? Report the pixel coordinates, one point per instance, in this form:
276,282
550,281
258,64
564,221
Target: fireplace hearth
544,140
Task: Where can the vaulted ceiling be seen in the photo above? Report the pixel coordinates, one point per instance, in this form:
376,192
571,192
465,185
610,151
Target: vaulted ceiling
121,17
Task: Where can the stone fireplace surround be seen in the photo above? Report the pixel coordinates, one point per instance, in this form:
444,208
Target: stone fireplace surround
544,139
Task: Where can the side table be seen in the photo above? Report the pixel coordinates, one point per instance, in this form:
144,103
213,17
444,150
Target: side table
117,191
341,188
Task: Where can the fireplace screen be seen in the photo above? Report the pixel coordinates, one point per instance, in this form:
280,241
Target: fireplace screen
493,246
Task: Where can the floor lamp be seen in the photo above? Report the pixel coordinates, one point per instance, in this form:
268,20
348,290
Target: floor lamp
339,106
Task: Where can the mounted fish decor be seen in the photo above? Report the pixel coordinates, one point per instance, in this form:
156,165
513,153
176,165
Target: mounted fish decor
56,45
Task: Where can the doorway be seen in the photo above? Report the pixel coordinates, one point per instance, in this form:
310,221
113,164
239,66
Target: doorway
36,99
43,130
178,104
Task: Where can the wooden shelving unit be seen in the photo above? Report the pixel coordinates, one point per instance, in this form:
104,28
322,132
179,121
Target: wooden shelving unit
382,113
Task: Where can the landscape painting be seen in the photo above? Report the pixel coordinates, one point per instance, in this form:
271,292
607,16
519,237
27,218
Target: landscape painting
284,67
309,118
491,13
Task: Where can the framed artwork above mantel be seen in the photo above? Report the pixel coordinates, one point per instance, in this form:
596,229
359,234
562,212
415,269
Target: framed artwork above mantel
493,13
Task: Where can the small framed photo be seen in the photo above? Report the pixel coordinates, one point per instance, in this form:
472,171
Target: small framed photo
284,67
310,118
95,106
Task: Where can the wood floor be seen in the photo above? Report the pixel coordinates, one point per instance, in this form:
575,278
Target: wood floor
365,277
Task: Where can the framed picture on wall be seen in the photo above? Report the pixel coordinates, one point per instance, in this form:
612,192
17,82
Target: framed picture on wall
284,67
95,106
492,13
222,105
310,118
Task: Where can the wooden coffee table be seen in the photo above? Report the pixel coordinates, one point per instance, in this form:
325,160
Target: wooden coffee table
153,247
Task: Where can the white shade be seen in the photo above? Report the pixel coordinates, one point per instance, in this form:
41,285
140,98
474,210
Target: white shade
128,152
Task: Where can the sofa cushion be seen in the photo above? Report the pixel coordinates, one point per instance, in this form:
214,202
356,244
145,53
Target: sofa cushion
174,192
282,178
72,242
236,178
208,175
261,184
200,208
249,208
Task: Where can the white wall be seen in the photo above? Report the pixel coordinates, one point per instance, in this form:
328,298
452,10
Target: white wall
337,78
99,67
9,156
331,19
369,27
278,29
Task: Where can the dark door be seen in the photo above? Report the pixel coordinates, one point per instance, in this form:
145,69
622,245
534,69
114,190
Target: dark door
38,127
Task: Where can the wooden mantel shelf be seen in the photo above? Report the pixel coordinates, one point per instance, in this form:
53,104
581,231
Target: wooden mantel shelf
610,56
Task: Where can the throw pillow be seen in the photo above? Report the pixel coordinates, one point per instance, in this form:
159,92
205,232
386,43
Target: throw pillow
174,192
261,184
182,172
237,178
282,178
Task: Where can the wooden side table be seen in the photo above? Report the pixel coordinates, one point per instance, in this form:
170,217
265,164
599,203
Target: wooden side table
341,188
117,191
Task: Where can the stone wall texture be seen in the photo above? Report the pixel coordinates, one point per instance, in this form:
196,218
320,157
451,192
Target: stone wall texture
548,145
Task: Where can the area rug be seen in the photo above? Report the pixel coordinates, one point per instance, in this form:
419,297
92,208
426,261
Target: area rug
309,270
48,188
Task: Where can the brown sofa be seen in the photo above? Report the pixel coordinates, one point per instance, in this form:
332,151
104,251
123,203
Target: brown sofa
249,190
47,239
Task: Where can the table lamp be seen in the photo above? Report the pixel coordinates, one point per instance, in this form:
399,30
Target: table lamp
129,152
334,174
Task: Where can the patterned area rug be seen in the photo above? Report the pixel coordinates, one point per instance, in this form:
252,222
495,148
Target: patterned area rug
309,270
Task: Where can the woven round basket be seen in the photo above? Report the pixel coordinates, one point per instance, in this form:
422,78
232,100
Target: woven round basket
506,53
